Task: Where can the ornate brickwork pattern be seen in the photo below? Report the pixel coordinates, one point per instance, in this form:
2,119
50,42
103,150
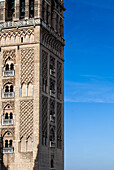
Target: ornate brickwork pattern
59,126
16,33
51,42
9,54
26,118
27,65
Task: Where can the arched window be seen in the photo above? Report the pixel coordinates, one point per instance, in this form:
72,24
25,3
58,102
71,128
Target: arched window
7,67
6,88
6,143
11,88
12,66
11,115
6,116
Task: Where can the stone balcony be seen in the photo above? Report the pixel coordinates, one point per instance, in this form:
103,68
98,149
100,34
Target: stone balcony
8,150
8,73
52,144
8,95
52,72
52,118
7,122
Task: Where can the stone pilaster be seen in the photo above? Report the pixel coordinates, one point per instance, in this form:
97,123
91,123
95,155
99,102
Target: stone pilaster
2,10
26,9
17,11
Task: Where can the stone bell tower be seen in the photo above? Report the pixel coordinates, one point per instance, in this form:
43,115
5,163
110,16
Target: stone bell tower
32,84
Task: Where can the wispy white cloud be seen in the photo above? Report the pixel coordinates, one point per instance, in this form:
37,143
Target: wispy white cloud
100,92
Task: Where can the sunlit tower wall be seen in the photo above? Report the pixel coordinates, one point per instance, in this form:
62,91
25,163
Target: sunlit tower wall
32,84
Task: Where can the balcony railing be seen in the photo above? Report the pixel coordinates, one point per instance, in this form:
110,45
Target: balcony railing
52,72
52,144
8,150
7,122
8,95
8,73
52,93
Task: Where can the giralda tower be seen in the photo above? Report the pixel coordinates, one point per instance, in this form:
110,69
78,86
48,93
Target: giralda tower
32,84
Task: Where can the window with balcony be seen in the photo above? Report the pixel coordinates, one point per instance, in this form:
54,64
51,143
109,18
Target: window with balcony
8,69
52,66
52,137
8,143
7,116
52,110
8,91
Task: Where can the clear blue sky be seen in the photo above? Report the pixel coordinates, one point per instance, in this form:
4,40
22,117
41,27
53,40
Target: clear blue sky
89,85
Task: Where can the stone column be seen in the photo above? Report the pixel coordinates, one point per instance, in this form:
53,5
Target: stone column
37,8
17,10
26,9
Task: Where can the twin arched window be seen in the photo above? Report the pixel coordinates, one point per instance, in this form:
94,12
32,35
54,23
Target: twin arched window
8,143
9,67
8,88
9,117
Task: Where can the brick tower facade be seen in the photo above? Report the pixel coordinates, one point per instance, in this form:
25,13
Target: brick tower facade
32,84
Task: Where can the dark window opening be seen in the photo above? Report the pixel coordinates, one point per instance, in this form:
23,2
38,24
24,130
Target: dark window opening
52,135
7,89
21,39
6,143
12,66
6,116
11,115
22,9
11,88
7,67
31,8
10,8
52,163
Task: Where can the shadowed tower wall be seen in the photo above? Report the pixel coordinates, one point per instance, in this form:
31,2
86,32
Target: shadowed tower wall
32,84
